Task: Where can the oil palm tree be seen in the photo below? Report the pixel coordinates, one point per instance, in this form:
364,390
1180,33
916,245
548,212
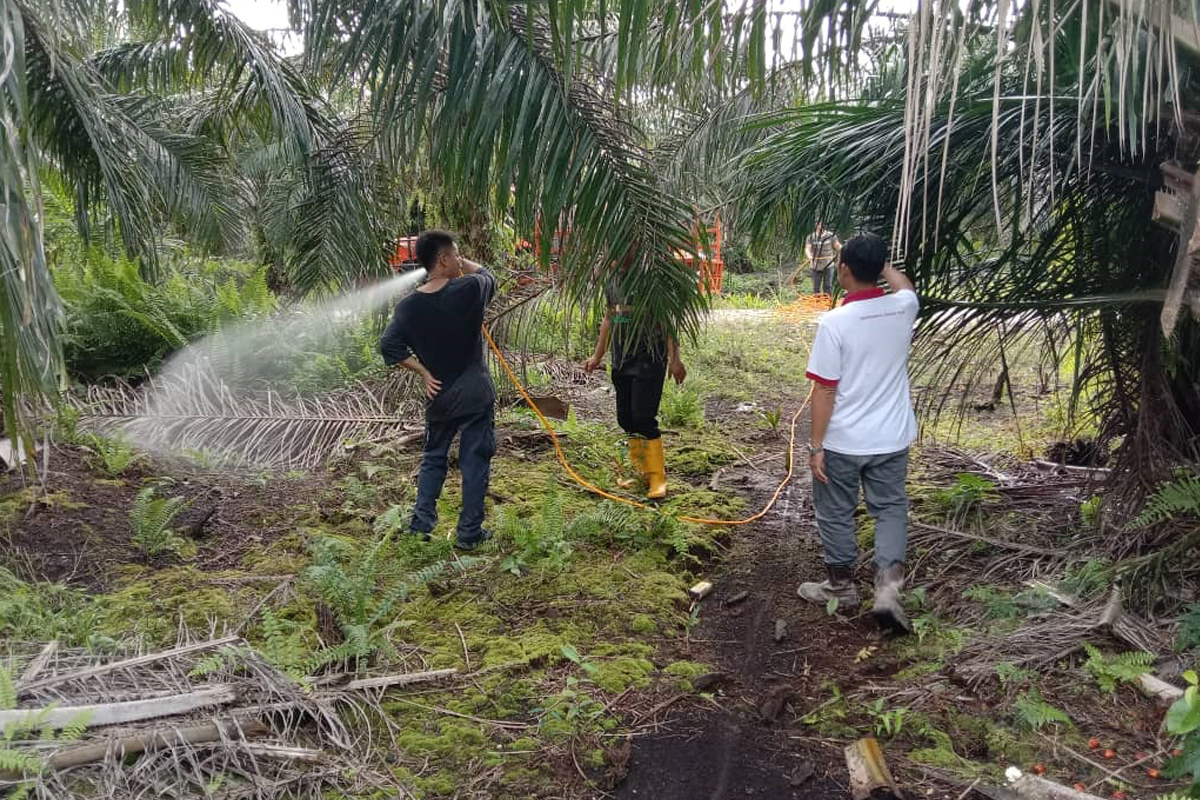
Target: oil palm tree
1028,200
520,106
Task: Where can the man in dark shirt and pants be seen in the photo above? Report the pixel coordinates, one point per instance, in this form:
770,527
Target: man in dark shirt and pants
436,334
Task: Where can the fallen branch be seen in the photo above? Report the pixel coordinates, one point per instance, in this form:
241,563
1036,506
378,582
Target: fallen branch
100,669
97,715
1021,548
135,745
1156,687
499,723
39,663
401,680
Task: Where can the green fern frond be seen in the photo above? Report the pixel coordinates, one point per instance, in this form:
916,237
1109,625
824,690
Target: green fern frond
150,519
1121,668
1180,496
15,761
76,727
1034,713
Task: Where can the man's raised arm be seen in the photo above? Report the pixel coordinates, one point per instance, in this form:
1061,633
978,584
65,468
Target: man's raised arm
896,279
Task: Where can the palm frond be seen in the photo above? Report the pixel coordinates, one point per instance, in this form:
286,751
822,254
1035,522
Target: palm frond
197,414
246,66
30,312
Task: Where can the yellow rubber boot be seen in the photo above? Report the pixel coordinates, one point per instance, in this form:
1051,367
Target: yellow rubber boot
656,470
637,457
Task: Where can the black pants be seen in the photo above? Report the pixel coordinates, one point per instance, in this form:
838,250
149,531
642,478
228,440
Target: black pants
476,447
638,396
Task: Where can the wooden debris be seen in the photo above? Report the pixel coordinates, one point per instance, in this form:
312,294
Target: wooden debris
403,679
11,455
101,669
134,745
1054,592
1159,689
94,716
1033,787
737,598
780,630
701,590
869,773
39,663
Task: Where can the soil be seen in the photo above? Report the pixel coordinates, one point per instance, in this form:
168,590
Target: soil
78,529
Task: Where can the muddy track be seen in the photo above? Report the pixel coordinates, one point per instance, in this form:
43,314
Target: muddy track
750,739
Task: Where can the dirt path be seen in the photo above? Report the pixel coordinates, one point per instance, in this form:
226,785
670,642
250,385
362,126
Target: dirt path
751,740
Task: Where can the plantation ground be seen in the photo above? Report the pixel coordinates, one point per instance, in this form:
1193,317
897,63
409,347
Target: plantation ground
585,671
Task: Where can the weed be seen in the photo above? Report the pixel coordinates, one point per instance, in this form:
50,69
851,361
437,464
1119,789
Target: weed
998,605
1089,578
26,765
1034,713
772,418
43,611
682,406
967,496
542,539
1172,499
114,453
1111,670
1090,510
1011,675
151,518
888,723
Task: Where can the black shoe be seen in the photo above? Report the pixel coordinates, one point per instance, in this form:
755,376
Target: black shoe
425,535
471,544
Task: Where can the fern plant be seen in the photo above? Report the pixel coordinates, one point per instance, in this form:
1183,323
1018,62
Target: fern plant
1034,713
544,539
1121,668
151,518
1172,499
356,594
114,453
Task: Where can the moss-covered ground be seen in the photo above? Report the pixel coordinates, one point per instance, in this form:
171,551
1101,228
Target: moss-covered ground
564,628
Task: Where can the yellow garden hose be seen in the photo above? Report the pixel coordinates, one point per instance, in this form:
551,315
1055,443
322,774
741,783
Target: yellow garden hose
583,482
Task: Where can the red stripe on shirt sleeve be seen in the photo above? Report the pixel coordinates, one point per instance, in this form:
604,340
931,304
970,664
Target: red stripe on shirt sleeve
812,376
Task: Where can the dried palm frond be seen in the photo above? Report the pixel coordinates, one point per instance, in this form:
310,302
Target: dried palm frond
1051,640
273,740
193,411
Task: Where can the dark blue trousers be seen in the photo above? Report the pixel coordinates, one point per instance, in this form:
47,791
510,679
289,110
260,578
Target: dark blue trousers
476,446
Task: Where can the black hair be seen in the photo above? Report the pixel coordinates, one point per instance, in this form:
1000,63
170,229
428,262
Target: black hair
865,255
430,245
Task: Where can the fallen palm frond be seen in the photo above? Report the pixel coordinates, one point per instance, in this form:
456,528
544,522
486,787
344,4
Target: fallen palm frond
199,415
271,739
1053,639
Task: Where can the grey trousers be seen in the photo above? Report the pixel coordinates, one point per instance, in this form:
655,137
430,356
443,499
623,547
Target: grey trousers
882,481
823,279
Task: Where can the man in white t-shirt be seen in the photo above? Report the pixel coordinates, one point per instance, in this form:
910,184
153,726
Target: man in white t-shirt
862,425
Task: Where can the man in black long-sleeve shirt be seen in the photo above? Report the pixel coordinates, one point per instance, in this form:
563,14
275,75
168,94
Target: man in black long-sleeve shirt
436,334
